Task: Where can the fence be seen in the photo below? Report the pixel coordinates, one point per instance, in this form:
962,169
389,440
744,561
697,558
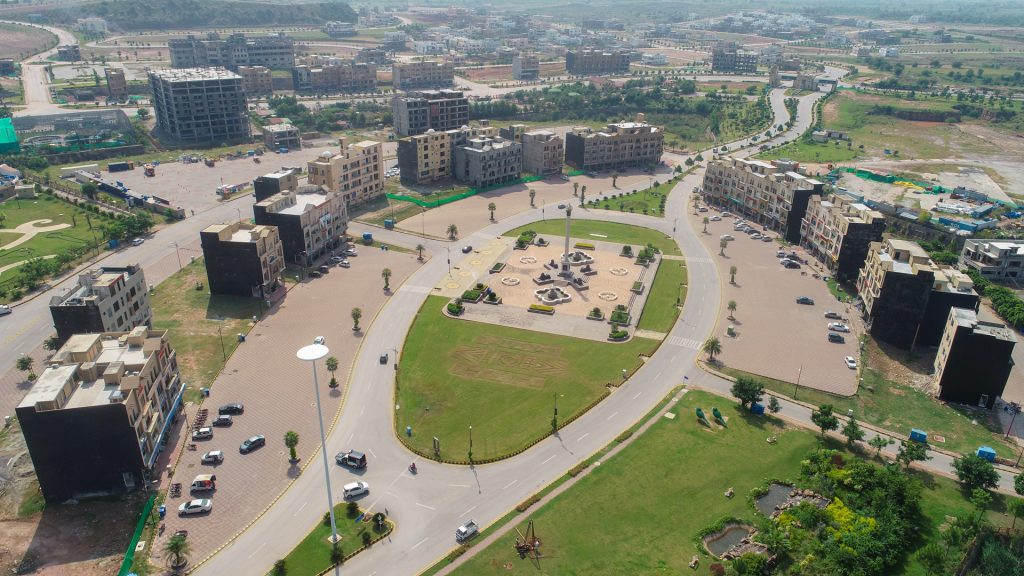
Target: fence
455,198
129,556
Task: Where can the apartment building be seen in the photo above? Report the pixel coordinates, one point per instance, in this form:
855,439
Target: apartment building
485,162
376,56
653,59
728,57
772,195
275,182
525,66
994,259
204,106
95,420
425,74
276,51
356,171
69,53
807,82
839,231
617,147
974,359
429,157
106,299
117,86
394,41
417,112
590,61
282,136
543,152
336,29
335,77
907,297
256,79
243,259
310,220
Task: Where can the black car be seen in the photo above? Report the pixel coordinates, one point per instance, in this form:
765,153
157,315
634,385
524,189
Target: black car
251,444
805,300
233,408
467,249
836,338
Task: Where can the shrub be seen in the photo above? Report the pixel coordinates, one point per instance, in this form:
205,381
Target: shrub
575,470
337,555
525,504
492,297
627,251
471,295
367,538
624,436
596,312
479,287
618,334
352,509
455,309
620,316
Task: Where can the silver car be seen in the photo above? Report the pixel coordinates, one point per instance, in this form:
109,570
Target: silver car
198,506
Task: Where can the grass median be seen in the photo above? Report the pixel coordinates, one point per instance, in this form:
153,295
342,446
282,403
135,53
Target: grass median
313,555
667,294
597,230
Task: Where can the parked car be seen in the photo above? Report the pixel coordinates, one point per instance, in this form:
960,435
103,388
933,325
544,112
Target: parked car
791,265
780,254
324,269
467,249
833,315
715,218
5,310
354,489
252,443
199,506
850,362
233,408
726,237
765,238
137,241
702,209
726,214
805,300
204,482
222,420
337,259
352,459
315,274
837,338
204,433
345,264
212,457
351,252
838,327
756,236
466,531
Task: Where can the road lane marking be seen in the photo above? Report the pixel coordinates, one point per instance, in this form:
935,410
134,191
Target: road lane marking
580,439
550,458
350,437
509,485
637,395
466,513
257,549
425,506
418,544
370,450
616,413
459,485
362,410
300,508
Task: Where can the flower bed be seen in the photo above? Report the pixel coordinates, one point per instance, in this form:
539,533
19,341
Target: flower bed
620,315
595,314
542,309
638,287
455,309
472,296
498,267
618,335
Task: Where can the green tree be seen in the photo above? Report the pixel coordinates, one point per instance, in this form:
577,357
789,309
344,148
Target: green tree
583,194
575,188
491,207
280,568
747,391
973,471
615,179
1016,509
732,309
51,343
824,419
980,499
533,194
142,113
773,404
933,559
291,440
1018,484
732,274
386,275
878,442
910,452
705,222
419,251
357,313
721,247
25,364
332,366
853,432
453,231
711,347
177,550
89,190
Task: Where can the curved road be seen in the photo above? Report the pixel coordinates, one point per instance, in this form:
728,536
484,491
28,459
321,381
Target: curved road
33,74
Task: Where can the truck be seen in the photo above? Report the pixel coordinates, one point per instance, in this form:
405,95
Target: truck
149,169
209,162
466,531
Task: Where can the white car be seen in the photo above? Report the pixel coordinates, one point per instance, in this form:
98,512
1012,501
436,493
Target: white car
198,506
756,236
355,489
850,362
5,310
726,237
203,433
726,214
838,327
137,241
345,264
212,457
337,259
715,218
351,252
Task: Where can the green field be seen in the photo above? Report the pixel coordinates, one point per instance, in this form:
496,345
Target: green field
806,151
501,381
602,231
640,510
646,201
667,294
313,555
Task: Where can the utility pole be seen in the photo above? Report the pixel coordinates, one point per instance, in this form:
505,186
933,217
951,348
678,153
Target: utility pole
554,418
471,444
797,385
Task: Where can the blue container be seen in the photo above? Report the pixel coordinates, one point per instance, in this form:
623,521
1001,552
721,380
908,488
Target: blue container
162,510
987,453
919,436
389,224
756,408
367,236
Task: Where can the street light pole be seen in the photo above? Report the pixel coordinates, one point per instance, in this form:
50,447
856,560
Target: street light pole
797,385
311,354
470,443
1016,410
177,253
220,336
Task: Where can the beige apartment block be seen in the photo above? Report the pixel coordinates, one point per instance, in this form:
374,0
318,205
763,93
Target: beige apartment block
839,231
357,171
425,74
619,146
256,79
428,157
543,152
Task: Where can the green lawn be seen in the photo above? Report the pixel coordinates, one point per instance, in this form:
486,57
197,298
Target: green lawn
313,555
203,327
606,231
501,381
666,295
640,511
646,201
802,151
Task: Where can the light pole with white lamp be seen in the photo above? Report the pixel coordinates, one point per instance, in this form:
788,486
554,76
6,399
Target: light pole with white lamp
311,354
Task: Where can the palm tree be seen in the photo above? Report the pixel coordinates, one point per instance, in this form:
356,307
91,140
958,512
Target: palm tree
732,274
575,188
453,231
291,440
492,207
357,313
533,194
177,551
721,247
615,179
711,347
732,308
706,220
386,275
25,364
419,249
332,366
583,195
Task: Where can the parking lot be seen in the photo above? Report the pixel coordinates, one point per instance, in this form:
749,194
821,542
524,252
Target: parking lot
275,388
775,336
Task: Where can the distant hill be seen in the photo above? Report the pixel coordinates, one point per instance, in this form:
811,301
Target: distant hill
178,14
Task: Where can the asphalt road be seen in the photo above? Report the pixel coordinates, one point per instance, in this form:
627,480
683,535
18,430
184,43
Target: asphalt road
35,86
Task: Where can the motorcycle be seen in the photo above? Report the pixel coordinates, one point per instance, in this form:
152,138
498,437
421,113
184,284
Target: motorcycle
412,468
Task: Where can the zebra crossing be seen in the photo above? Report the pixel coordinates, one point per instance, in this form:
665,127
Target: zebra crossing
684,342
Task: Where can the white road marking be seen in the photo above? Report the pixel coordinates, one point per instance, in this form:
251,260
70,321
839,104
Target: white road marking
300,508
418,544
370,450
637,395
510,484
459,485
362,410
257,549
466,513
616,413
350,437
580,439
550,458
425,506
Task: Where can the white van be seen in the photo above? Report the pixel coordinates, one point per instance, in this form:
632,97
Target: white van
204,482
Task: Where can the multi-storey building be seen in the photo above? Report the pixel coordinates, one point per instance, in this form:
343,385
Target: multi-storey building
256,79
770,194
276,51
417,112
243,259
107,299
485,162
619,146
428,157
95,420
282,136
335,77
311,221
117,86
994,259
525,66
336,29
728,57
375,56
543,152
356,171
974,359
591,61
394,41
513,132
907,297
200,105
839,231
808,82
69,53
426,74
274,183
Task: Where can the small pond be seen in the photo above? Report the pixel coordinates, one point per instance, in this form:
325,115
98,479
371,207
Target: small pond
721,542
777,494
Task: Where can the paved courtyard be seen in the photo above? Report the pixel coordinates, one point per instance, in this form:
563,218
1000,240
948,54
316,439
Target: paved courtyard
775,336
275,387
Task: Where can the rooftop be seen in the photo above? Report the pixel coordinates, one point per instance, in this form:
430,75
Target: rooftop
969,319
194,74
285,127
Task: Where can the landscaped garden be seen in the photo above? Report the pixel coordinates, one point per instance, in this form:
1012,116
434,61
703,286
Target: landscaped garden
501,381
644,510
650,201
314,554
600,231
667,293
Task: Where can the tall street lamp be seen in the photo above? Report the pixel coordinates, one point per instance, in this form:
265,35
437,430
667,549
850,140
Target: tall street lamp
177,253
311,354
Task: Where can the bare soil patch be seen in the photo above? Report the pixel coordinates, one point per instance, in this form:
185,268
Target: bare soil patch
19,42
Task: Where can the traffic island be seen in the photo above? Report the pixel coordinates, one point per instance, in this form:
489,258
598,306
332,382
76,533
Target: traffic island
357,531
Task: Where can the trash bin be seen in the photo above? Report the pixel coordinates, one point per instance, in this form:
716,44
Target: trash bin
241,337
987,453
408,430
162,510
205,392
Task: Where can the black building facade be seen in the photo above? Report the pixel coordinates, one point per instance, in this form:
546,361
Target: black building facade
242,260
